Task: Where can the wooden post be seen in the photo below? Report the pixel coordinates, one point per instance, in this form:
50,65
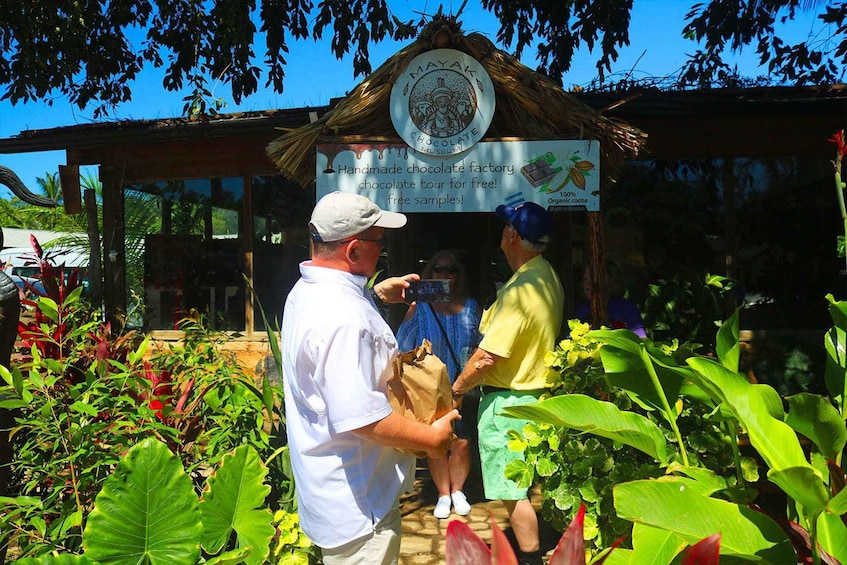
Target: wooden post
69,178
10,309
95,266
730,301
597,269
114,243
247,238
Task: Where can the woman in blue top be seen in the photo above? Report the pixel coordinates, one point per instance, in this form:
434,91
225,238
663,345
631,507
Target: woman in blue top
458,322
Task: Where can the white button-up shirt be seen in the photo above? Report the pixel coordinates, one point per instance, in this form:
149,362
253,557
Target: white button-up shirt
337,354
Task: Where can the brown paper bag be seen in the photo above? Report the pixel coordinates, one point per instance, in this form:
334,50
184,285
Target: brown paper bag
420,388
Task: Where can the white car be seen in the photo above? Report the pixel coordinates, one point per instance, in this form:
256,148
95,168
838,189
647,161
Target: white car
19,263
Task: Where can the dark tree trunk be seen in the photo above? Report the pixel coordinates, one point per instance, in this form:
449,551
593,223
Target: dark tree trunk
10,309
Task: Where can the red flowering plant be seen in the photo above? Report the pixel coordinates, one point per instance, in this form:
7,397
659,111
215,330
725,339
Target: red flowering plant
50,306
83,395
464,547
839,140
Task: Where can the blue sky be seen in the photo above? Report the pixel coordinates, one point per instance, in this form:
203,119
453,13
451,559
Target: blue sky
314,76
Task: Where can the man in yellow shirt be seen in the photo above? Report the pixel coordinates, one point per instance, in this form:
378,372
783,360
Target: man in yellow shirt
518,330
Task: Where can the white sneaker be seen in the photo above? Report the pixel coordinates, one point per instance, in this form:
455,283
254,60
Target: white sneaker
442,507
460,503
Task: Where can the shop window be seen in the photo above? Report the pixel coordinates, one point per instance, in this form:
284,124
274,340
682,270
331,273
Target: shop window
281,211
185,253
186,244
769,223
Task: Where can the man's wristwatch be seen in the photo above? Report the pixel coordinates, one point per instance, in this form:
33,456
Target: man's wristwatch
375,296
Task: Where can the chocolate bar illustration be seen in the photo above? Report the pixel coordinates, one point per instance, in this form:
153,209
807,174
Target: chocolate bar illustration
538,171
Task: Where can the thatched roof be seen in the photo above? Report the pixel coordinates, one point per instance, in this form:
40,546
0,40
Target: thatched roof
528,106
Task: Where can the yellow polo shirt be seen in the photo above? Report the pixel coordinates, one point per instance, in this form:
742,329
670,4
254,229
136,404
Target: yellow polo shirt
522,326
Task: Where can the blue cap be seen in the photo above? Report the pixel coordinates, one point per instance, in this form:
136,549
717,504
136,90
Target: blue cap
531,221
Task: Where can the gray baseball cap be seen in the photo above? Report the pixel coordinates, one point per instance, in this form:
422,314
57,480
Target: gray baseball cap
342,215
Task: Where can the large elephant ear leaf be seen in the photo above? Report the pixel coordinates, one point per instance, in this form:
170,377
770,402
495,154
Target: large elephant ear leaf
233,499
147,511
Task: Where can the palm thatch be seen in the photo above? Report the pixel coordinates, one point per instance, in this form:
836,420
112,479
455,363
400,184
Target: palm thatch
528,106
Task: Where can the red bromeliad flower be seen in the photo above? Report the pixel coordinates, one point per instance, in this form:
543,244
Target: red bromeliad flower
838,139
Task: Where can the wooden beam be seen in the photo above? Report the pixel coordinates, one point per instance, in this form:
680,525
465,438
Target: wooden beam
697,137
187,160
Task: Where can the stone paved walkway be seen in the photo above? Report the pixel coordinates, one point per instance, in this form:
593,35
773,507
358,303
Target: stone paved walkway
423,533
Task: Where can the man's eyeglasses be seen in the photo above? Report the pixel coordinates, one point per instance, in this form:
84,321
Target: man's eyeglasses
382,242
442,269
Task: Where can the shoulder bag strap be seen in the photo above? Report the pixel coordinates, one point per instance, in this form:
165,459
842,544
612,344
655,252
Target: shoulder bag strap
446,339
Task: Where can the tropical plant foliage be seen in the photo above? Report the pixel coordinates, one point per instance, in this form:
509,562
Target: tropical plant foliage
102,48
693,499
465,547
148,512
687,309
83,397
573,467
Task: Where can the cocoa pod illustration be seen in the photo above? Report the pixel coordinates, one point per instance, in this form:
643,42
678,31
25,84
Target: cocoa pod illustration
578,178
562,185
584,166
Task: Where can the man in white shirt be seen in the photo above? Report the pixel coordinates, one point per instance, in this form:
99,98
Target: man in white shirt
337,358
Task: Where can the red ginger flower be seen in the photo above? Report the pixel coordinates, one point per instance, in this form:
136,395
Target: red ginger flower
838,139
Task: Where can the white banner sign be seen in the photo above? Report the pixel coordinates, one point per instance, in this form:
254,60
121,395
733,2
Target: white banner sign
559,175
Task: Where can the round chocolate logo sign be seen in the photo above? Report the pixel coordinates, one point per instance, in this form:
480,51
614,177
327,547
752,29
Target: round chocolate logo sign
443,102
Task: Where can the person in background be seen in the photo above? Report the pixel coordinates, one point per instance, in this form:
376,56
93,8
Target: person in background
452,329
620,312
517,332
337,354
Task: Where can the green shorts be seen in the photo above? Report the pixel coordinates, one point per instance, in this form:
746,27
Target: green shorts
494,453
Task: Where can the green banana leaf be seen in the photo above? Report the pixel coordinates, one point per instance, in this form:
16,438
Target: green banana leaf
816,418
832,535
146,512
727,346
654,546
775,441
707,481
624,340
838,503
631,372
803,484
232,501
835,343
669,505
601,418
617,557
772,400
630,363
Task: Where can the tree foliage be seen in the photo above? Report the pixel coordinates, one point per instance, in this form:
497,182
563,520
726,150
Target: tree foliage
90,51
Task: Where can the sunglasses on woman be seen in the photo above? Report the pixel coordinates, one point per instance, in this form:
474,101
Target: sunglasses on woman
442,269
